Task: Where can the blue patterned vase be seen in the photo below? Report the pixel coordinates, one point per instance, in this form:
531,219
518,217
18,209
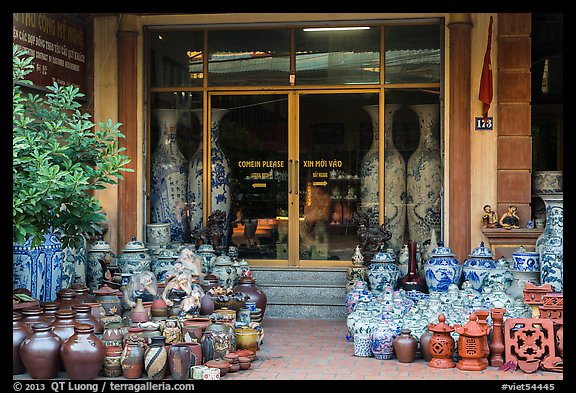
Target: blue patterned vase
550,243
220,170
526,261
424,177
208,256
478,266
358,293
224,270
134,258
38,269
362,345
169,176
382,337
163,261
99,251
442,269
382,272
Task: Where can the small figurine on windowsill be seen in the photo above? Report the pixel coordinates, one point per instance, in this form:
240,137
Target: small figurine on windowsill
490,217
510,219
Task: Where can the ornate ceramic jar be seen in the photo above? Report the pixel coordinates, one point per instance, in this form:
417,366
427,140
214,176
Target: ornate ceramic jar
526,261
134,257
501,277
442,269
479,264
158,234
358,293
224,270
362,345
361,321
382,272
208,255
162,262
550,244
99,256
382,337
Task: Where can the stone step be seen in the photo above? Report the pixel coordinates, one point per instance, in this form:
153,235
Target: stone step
306,311
262,275
302,291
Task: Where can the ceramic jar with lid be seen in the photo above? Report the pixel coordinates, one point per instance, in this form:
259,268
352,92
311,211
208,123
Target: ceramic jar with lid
359,292
84,315
382,337
479,264
109,298
442,269
162,262
526,261
40,353
134,257
382,272
248,286
99,256
20,331
83,353
224,270
501,277
208,255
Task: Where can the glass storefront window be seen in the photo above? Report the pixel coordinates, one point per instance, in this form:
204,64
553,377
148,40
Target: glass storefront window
176,58
333,57
412,54
249,57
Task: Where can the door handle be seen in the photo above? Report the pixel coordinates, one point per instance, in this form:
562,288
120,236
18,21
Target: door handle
297,170
289,176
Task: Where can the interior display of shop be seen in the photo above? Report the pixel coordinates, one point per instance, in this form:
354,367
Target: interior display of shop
300,170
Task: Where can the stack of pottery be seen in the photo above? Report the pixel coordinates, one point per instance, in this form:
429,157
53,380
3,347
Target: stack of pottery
382,272
442,269
479,264
256,315
232,358
134,257
525,268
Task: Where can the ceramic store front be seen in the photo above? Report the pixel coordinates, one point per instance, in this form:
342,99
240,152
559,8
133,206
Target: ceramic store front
299,128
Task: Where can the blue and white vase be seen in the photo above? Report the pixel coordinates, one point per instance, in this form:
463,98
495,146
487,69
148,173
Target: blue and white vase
168,176
424,177
361,320
369,169
158,234
382,272
38,269
162,262
362,345
550,243
442,269
74,264
501,277
526,261
220,174
208,258
479,265
94,268
382,337
359,293
224,270
134,258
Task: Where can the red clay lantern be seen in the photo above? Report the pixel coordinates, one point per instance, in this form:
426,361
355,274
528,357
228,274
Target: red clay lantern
441,344
553,307
472,345
534,296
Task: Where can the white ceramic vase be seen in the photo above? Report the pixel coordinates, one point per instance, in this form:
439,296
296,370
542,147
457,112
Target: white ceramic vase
550,243
424,177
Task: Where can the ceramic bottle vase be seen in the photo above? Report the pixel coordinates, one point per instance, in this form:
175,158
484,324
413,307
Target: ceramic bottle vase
424,177
132,360
40,353
179,360
168,176
412,281
405,346
156,358
394,178
20,331
83,353
550,243
220,173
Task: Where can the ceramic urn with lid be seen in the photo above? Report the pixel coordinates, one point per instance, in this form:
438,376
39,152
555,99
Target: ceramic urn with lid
479,265
382,272
134,257
442,269
99,257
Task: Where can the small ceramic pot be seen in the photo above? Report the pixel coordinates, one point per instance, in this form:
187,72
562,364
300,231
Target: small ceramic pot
526,261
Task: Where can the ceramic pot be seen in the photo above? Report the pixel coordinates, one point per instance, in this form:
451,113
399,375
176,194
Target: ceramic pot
112,367
357,294
203,322
40,353
158,234
207,346
74,263
362,345
247,338
442,269
208,256
220,178
500,277
547,182
179,360
423,181
220,364
83,353
425,345
191,333
113,335
162,262
64,324
38,269
99,256
109,299
361,320
526,261
478,266
206,305
156,358
412,280
139,313
224,338
32,316
20,331
158,309
405,346
382,272
134,258
132,360
66,298
550,244
84,315
382,338
224,270
248,286
49,310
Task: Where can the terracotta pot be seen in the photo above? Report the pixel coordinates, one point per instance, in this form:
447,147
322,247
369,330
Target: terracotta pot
405,346
135,335
244,362
245,353
221,364
113,335
248,286
206,305
180,360
159,309
20,331
40,353
425,345
156,358
191,333
109,299
84,315
112,367
132,360
139,313
196,350
83,353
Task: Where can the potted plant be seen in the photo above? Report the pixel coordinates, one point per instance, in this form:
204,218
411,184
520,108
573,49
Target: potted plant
59,158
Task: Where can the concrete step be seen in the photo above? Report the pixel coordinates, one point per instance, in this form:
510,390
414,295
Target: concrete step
336,276
306,311
303,292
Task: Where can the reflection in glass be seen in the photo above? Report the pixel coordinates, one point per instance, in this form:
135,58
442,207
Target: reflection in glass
412,54
176,58
254,138
335,135
337,57
248,57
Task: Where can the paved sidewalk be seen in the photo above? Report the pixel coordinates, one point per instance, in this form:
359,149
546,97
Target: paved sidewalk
313,349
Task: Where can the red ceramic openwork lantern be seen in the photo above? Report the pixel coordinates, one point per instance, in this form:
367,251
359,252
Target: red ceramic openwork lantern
441,344
472,345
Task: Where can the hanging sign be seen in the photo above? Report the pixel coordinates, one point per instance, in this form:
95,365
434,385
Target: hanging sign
58,44
483,125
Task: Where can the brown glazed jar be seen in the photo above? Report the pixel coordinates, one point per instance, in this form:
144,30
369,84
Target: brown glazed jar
66,298
83,353
84,315
33,315
83,293
405,346
132,360
49,309
64,324
40,353
20,332
425,345
248,286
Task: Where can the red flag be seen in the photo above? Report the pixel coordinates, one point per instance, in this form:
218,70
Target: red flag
485,93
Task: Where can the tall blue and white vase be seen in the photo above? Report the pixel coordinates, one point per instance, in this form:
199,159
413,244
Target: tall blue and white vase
442,269
38,269
550,243
74,264
220,174
168,176
424,177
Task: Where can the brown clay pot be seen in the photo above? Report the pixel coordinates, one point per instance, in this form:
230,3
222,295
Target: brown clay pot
156,358
64,324
139,313
206,305
33,315
244,362
40,353
221,364
245,353
248,286
180,360
132,360
66,298
83,353
83,293
196,350
50,309
405,346
159,309
203,322
191,333
20,331
425,345
113,335
84,315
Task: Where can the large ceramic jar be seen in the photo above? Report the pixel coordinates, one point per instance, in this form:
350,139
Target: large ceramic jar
224,270
64,324
224,338
83,353
163,262
84,315
382,337
20,331
442,269
479,264
34,315
550,244
405,346
361,321
134,258
112,367
358,293
382,272
66,298
208,256
158,234
113,335
40,353
248,286
98,255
